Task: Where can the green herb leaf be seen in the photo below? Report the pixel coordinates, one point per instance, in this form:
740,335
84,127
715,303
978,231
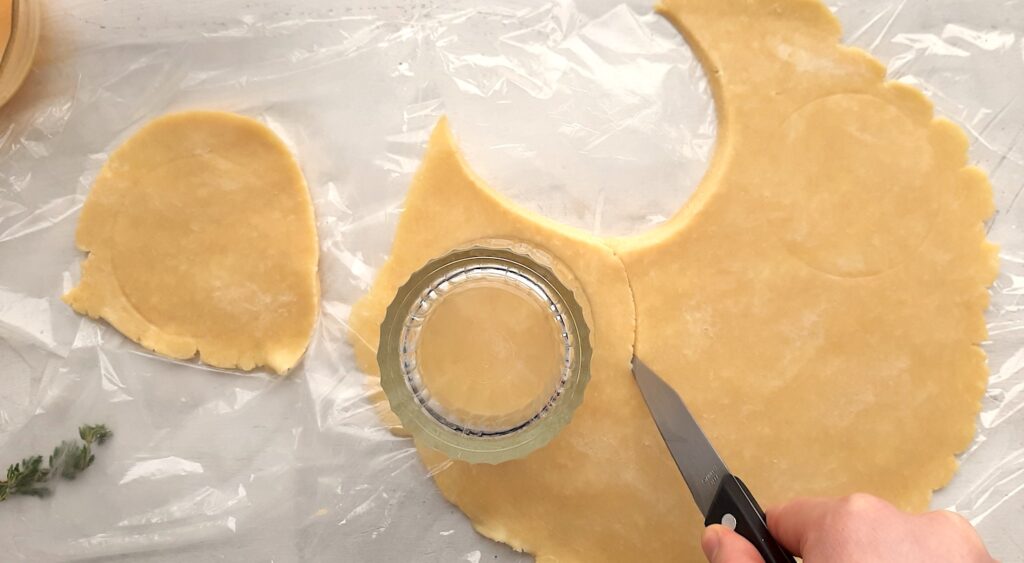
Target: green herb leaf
70,458
97,433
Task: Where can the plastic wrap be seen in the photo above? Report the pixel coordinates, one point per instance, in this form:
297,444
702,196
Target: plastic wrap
595,114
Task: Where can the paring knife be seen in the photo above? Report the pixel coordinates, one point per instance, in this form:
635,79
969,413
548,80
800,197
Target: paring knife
720,495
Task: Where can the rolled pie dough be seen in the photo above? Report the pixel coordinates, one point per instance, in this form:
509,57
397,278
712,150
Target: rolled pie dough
202,239
817,303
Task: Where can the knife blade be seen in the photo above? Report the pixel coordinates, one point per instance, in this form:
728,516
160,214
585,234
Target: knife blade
721,496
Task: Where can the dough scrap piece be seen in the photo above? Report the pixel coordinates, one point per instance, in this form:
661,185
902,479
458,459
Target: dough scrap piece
826,280
201,238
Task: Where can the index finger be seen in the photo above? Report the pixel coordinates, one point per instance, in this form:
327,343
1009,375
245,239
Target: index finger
791,523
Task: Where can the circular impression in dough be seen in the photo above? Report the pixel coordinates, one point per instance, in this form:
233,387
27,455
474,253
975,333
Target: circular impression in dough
201,239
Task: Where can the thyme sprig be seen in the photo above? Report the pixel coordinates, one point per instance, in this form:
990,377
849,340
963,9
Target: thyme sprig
69,459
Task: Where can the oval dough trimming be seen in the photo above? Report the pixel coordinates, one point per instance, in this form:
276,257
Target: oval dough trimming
202,239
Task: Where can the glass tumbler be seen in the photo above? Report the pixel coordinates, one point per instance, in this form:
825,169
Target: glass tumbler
497,418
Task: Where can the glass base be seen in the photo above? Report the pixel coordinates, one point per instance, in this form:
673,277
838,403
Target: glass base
471,434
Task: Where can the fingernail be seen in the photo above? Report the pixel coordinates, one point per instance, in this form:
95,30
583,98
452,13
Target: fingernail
709,543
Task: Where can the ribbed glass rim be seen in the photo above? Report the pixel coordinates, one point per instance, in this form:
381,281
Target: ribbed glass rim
544,277
21,48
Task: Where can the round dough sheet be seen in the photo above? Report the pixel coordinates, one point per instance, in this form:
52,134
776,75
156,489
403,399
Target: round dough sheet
817,303
202,239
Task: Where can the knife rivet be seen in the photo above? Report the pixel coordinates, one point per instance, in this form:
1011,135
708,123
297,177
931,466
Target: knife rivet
729,521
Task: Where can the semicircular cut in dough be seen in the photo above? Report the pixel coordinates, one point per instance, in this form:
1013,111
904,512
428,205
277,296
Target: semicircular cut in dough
817,303
202,239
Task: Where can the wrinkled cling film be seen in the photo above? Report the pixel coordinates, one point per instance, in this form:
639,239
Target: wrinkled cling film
593,113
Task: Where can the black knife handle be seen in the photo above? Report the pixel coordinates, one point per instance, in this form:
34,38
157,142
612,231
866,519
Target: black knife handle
734,498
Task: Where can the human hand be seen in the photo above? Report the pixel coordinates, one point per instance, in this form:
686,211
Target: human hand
856,528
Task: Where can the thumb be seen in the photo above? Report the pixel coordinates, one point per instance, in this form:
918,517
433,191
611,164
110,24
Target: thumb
722,545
